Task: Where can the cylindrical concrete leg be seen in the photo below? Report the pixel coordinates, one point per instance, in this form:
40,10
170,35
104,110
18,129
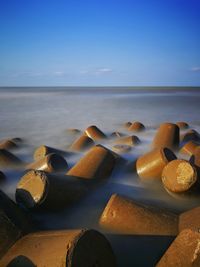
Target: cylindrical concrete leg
50,163
166,136
8,159
121,148
183,252
94,133
195,158
82,143
150,165
127,124
190,220
128,140
189,148
13,223
191,135
182,124
98,163
67,248
37,189
136,127
43,151
124,216
8,144
180,177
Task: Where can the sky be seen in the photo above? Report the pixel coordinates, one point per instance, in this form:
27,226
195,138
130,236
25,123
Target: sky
99,42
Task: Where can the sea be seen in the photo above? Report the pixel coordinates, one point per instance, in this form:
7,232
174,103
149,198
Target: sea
44,115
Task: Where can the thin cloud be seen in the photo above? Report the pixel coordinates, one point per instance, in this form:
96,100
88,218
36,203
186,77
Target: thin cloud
195,69
104,71
59,73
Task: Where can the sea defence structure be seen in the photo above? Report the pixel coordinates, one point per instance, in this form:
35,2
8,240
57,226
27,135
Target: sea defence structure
151,164
94,133
14,223
70,248
167,136
136,127
38,189
183,252
180,177
43,151
81,143
50,163
8,159
98,163
125,216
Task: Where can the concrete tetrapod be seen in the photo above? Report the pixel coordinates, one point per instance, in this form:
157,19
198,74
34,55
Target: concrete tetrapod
136,127
183,252
94,133
13,223
195,158
125,216
81,143
191,135
167,136
128,140
50,163
98,163
180,177
190,220
8,159
150,165
7,144
189,148
67,248
38,189
182,124
43,151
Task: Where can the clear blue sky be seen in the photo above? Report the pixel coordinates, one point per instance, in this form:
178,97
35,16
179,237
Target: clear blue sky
99,42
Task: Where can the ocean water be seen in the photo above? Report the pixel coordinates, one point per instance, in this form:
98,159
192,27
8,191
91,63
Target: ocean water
43,115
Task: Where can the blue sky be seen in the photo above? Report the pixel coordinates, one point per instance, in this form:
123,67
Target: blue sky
99,42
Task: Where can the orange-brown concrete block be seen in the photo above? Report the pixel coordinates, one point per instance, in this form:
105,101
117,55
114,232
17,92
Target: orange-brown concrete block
82,143
190,220
136,126
67,248
8,159
13,223
73,131
182,124
195,158
166,136
183,252
121,148
43,151
151,164
128,140
191,135
116,134
124,216
179,176
50,163
98,163
189,148
94,133
127,124
40,189
7,144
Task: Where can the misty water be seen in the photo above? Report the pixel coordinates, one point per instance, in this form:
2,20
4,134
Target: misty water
43,115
